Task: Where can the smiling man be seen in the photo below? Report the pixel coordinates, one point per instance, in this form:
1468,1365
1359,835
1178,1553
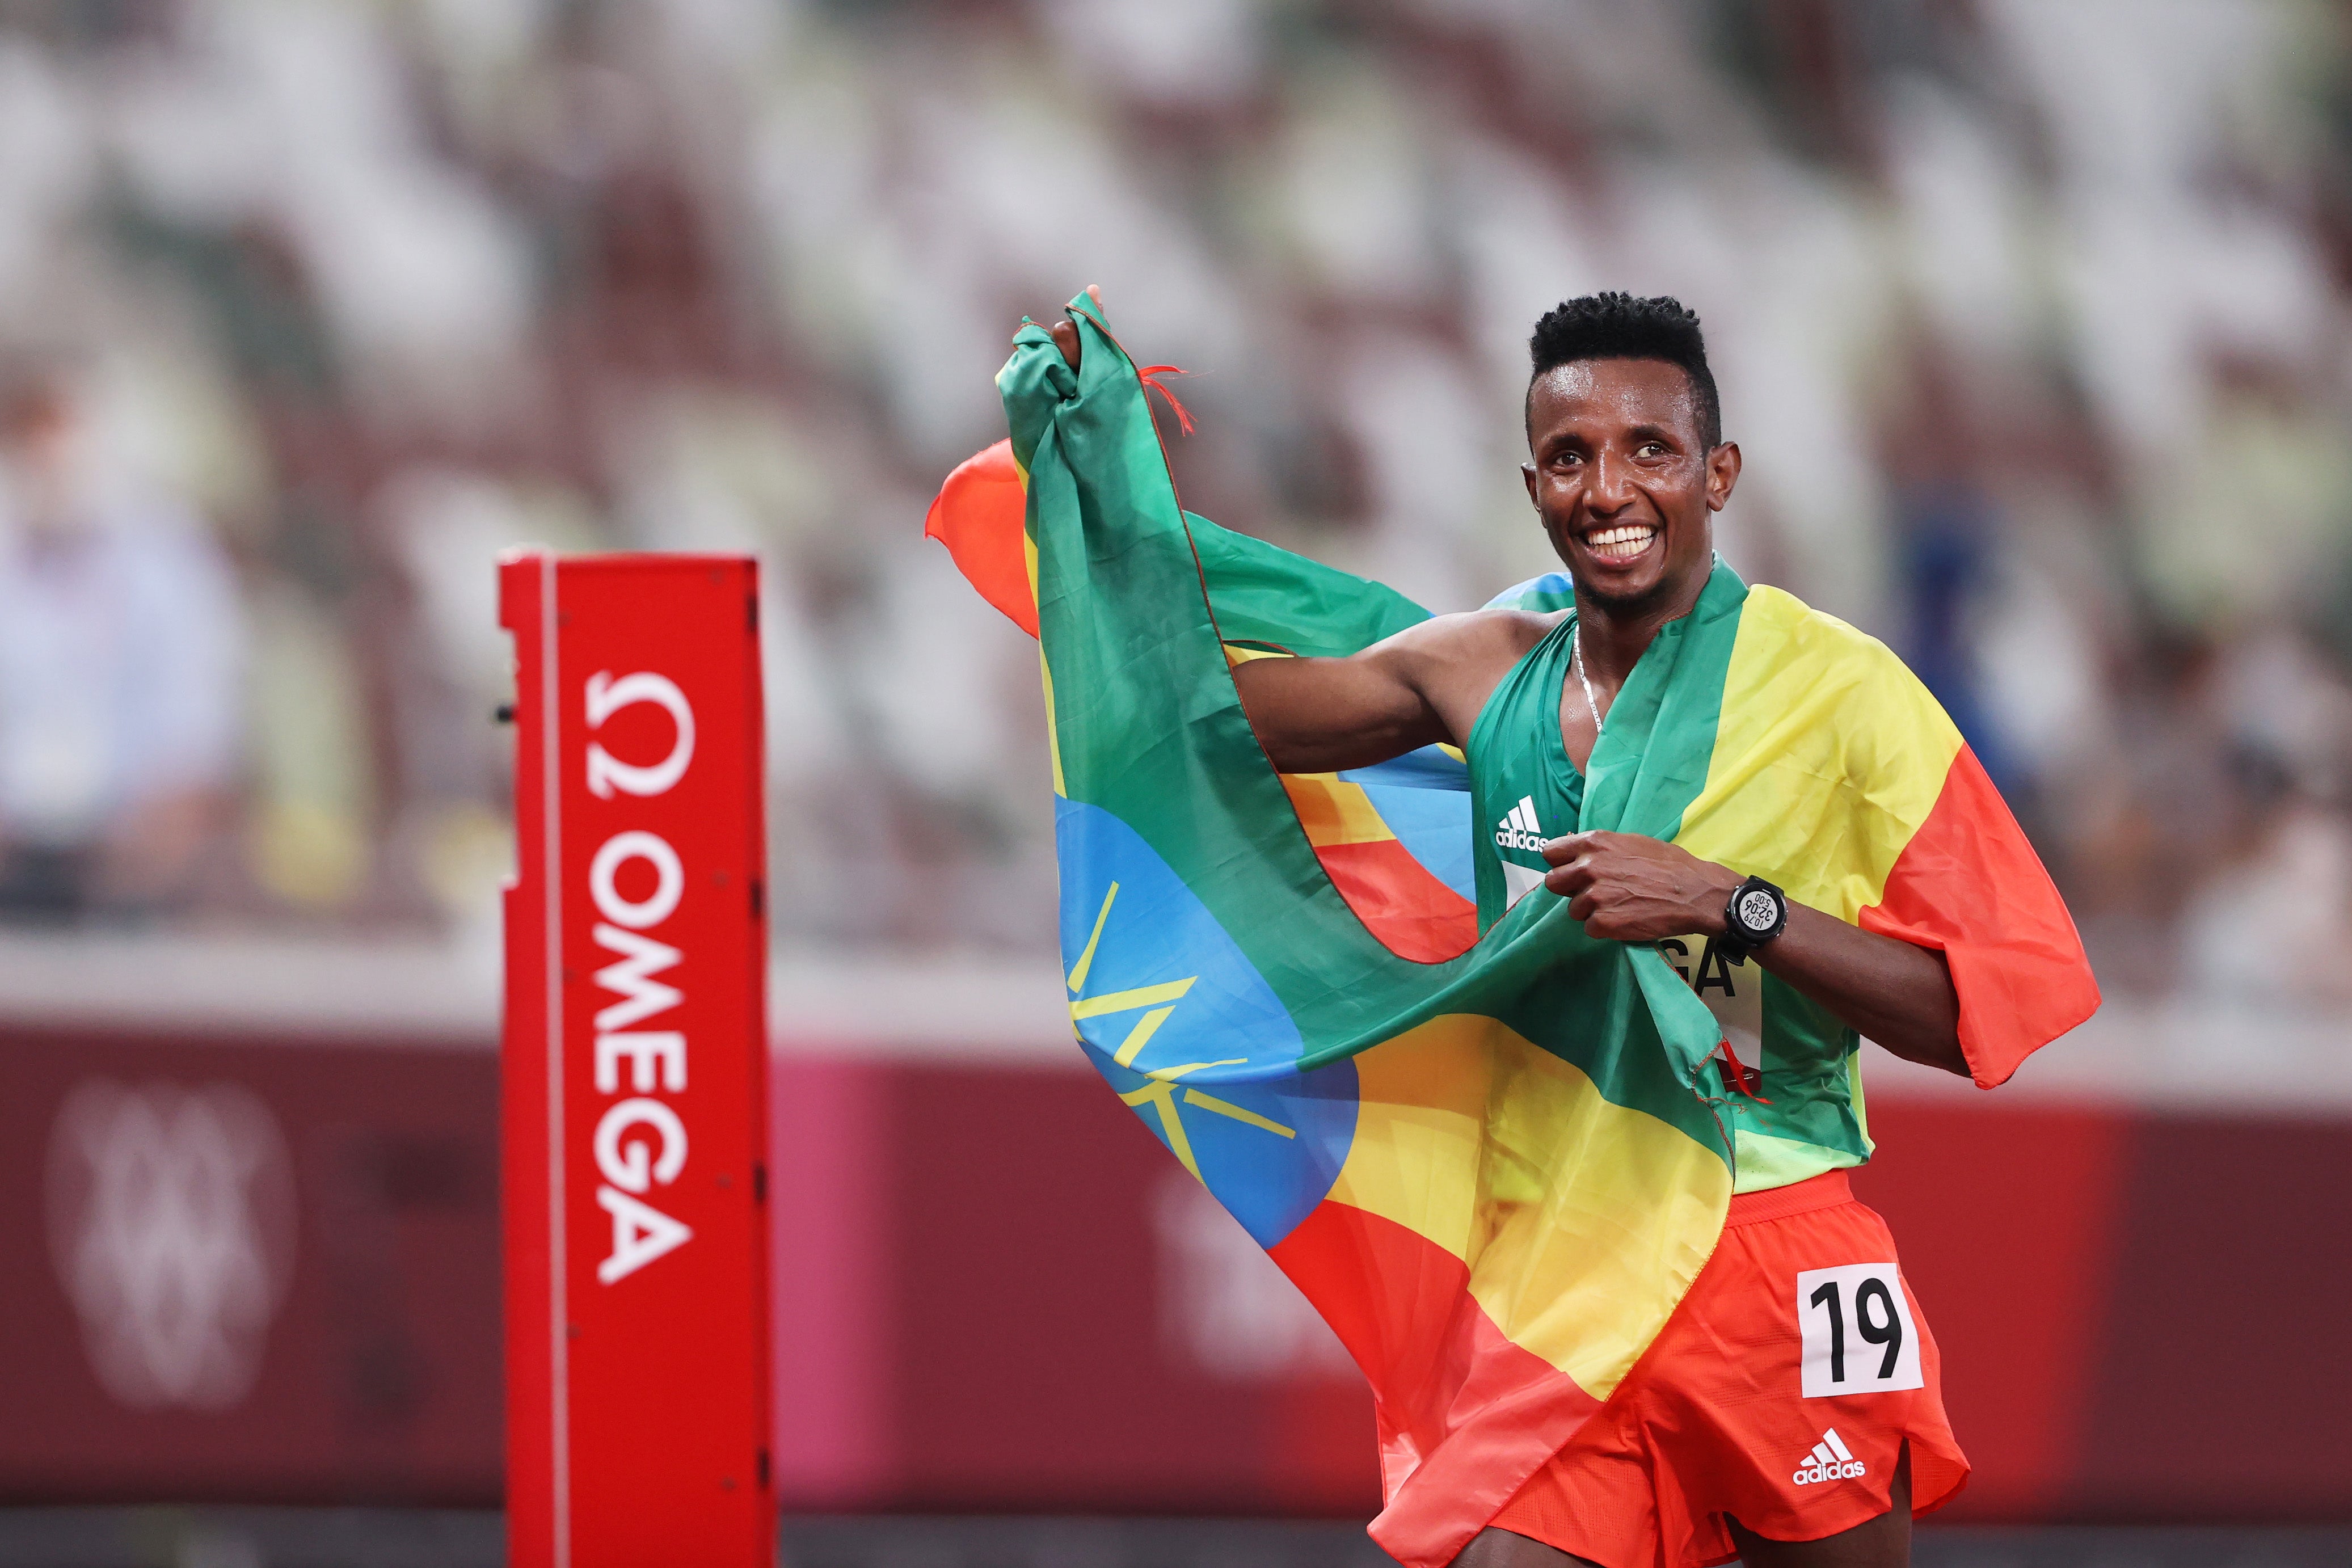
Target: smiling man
1627,468
1790,1411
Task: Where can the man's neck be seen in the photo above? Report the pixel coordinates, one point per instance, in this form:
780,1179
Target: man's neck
1613,637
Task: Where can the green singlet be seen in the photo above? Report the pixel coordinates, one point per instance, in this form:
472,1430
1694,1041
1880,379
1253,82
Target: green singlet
1808,1117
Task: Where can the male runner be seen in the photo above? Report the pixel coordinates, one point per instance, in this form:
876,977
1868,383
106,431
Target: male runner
1691,1461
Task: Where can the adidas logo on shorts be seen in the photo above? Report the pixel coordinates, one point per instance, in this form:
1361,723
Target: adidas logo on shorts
1518,830
1830,1461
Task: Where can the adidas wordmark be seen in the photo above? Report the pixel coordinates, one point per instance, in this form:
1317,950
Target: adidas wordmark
1830,1461
1518,830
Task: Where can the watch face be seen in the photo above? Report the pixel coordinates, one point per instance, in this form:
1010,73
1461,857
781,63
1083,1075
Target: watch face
1758,909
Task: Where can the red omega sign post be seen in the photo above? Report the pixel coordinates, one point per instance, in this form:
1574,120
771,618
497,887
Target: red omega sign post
633,1068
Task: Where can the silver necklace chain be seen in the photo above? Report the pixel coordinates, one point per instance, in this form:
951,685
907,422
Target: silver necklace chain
1576,663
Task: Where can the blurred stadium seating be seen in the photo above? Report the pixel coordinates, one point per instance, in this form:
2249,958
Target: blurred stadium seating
2032,319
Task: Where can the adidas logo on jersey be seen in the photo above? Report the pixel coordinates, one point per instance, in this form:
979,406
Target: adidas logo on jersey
1518,830
1830,1461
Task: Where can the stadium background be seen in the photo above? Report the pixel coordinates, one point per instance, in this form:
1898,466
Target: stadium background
2033,320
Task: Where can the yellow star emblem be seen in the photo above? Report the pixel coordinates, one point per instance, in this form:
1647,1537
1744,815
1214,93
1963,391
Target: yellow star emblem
1158,1003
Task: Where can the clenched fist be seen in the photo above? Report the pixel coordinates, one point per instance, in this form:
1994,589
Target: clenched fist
1627,888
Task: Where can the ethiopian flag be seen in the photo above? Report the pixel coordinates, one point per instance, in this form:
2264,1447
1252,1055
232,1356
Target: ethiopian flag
1495,1160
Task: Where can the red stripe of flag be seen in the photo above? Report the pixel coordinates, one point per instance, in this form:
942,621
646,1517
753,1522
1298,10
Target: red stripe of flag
1969,884
982,516
1413,914
1465,1415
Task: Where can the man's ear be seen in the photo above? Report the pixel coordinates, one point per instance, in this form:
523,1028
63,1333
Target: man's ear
1528,472
1722,474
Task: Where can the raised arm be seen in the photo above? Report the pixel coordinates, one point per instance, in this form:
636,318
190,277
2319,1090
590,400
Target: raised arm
1422,686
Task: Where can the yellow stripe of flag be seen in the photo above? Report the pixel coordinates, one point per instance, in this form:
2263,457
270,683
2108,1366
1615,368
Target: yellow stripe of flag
1334,810
1798,679
1583,1221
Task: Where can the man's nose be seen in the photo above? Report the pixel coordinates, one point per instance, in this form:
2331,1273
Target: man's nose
1610,490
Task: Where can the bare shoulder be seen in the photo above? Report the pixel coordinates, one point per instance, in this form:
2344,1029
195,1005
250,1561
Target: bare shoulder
1476,636
1455,661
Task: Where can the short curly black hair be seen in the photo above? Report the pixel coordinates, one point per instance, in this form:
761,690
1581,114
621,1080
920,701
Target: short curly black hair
1619,326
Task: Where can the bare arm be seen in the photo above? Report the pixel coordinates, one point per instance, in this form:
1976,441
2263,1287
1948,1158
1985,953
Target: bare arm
1628,887
1415,689
1882,987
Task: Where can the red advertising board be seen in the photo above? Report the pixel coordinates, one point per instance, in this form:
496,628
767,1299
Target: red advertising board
633,1080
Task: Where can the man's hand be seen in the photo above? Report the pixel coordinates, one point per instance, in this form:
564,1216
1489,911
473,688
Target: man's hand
1627,888
1064,333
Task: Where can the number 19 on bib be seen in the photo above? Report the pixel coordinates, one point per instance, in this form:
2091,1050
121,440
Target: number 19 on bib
1859,1337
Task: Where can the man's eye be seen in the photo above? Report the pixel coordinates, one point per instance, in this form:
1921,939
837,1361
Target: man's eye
1652,450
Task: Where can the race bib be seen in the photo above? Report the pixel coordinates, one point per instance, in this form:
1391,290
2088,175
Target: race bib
1731,986
1859,1337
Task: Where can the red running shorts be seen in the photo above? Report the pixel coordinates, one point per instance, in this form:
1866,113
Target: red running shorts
1781,1393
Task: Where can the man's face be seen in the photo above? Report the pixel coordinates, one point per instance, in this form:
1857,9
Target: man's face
1624,479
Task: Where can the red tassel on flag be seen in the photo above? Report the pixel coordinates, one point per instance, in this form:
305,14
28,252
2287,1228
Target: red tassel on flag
1150,375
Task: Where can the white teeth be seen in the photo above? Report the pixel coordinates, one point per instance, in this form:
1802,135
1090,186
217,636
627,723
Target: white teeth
1631,539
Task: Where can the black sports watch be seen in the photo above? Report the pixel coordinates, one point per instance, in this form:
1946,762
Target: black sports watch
1756,913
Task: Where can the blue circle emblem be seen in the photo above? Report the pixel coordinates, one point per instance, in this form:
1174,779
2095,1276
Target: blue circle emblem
1189,1033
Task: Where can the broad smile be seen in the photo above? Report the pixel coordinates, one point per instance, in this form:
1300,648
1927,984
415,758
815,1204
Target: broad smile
1621,542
